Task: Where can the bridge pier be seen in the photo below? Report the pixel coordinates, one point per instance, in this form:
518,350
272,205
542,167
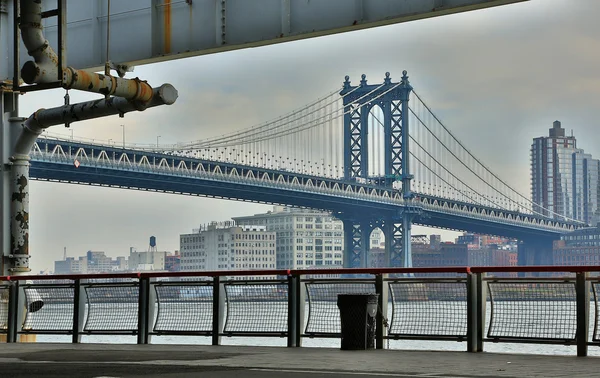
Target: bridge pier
535,252
356,243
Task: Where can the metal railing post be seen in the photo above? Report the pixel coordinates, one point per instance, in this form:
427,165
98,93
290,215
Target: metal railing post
473,330
292,310
78,310
151,310
142,328
481,309
381,325
582,290
217,310
13,313
300,310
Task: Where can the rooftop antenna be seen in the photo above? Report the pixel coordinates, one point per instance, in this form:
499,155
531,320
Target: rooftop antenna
65,254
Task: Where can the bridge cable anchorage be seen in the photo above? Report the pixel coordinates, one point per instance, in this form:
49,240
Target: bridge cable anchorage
483,166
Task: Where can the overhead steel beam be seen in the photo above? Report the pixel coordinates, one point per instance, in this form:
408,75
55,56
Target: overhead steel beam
147,31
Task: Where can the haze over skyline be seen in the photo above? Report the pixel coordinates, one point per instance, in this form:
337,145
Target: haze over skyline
497,78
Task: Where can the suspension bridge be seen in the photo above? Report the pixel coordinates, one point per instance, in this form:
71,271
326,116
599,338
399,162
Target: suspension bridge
373,155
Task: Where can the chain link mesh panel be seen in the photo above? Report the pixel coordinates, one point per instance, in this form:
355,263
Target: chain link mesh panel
184,308
323,313
256,307
49,308
429,308
4,294
542,310
112,308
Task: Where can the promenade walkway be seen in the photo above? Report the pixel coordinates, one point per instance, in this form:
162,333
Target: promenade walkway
102,360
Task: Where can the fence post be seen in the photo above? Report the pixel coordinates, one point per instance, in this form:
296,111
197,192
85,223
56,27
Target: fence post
481,309
582,290
142,331
381,325
300,310
78,310
13,313
218,311
292,310
151,309
473,304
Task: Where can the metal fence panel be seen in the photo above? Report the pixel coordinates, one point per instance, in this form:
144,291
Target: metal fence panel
256,308
526,310
56,313
323,313
4,295
112,308
184,308
428,308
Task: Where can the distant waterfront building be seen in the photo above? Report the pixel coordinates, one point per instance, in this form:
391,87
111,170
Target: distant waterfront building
147,260
564,180
580,247
305,238
227,246
71,266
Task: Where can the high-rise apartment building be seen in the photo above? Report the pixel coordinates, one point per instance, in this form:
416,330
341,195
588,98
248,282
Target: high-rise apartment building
305,238
226,246
564,180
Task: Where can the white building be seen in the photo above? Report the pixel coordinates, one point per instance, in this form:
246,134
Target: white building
305,238
146,261
225,246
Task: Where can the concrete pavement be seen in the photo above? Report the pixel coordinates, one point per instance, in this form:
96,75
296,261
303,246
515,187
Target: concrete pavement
109,360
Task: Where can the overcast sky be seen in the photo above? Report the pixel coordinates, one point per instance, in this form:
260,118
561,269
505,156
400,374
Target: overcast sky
497,78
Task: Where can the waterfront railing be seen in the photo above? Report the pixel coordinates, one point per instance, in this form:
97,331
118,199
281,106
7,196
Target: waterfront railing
546,305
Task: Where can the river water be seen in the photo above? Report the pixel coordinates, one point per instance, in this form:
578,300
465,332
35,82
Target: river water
535,318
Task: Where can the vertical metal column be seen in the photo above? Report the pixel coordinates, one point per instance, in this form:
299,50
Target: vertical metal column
472,312
582,289
142,329
481,309
13,312
364,139
217,310
406,240
381,331
292,310
365,244
406,175
78,311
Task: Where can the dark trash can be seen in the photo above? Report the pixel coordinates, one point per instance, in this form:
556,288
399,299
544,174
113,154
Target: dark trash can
357,315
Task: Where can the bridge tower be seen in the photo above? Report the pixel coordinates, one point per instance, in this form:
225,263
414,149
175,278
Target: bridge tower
359,100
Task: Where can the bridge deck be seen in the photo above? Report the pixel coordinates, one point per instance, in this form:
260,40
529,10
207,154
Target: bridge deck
93,360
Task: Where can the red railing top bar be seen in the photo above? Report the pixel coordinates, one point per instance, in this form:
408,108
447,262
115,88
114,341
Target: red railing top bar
316,272
536,269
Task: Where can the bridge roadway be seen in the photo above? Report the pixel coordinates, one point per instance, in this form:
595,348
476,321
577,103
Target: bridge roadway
109,360
147,170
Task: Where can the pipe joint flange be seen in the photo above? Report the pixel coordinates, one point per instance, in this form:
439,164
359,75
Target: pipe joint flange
19,261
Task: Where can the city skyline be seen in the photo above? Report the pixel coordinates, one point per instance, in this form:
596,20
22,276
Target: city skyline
496,78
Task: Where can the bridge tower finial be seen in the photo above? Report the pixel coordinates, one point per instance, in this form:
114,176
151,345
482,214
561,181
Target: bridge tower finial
388,80
363,80
347,82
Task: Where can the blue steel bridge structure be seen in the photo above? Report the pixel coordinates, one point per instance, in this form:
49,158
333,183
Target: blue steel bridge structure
376,156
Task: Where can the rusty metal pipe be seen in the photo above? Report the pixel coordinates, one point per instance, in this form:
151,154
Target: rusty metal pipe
32,127
131,89
45,67
166,94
